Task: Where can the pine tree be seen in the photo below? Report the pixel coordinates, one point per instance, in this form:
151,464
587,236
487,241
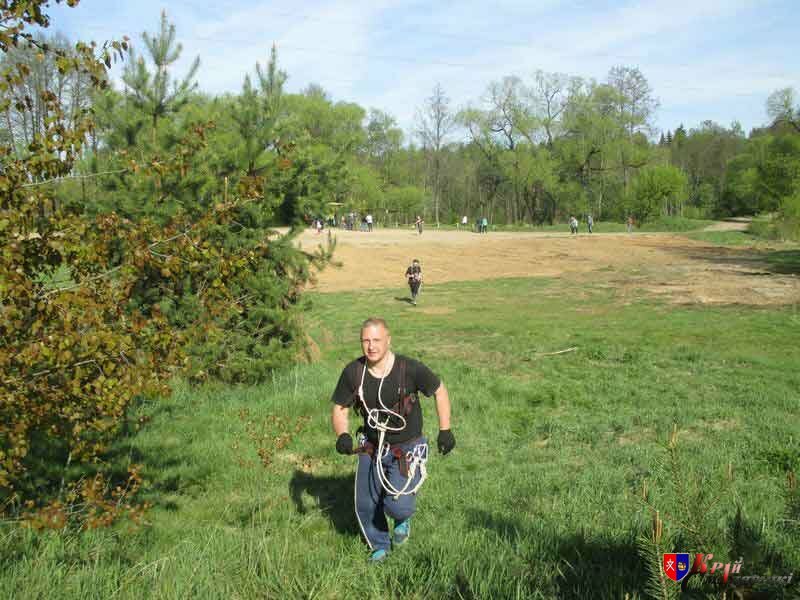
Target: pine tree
257,114
680,135
157,94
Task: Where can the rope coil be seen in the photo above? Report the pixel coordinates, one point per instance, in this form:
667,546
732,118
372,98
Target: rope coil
416,458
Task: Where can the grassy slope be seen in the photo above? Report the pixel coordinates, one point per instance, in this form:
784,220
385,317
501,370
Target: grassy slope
537,500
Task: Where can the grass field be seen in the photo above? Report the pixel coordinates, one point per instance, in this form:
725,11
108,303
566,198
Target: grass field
561,459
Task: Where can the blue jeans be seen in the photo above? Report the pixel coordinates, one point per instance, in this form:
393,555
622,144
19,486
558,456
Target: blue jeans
374,504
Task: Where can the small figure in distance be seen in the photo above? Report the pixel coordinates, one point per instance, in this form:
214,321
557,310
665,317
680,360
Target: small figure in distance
414,277
630,223
589,223
418,224
573,224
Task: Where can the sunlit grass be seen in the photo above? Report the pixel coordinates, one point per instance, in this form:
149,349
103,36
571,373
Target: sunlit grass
539,498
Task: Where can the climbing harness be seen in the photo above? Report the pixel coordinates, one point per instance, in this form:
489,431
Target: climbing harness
409,462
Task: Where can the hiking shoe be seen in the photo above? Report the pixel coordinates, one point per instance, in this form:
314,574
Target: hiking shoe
378,556
401,532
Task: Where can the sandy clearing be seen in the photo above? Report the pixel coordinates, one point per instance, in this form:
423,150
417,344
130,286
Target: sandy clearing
665,265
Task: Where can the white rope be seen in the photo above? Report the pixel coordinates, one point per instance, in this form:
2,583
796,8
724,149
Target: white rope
415,459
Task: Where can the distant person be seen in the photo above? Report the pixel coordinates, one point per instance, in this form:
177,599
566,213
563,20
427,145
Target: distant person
318,225
464,221
484,225
369,222
418,224
589,223
573,224
630,223
414,277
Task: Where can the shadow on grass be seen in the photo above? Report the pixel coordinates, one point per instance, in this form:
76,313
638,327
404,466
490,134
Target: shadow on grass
581,567
167,474
784,261
406,299
772,262
332,495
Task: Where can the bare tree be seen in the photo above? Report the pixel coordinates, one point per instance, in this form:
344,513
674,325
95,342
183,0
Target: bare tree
26,107
550,96
636,103
782,107
635,106
435,121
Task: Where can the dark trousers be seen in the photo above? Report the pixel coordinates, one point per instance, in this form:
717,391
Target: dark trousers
414,285
372,502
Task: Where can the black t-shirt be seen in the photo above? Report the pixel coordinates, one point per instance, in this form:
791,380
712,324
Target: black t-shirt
418,378
414,273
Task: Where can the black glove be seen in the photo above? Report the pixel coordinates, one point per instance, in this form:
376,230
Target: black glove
445,441
344,444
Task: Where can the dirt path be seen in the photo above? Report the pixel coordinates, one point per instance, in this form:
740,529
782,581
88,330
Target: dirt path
732,224
671,266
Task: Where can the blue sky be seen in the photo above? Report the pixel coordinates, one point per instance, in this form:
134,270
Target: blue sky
705,59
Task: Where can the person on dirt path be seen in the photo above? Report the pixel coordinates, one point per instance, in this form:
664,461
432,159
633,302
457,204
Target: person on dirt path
464,221
589,223
630,223
484,225
392,450
418,224
573,224
369,222
414,278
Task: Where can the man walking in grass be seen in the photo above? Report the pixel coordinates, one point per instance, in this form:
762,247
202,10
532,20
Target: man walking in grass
414,277
392,451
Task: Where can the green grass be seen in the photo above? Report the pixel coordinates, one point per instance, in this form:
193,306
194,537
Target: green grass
540,498
675,224
725,238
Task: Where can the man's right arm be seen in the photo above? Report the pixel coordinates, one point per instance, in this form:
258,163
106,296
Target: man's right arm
342,398
340,419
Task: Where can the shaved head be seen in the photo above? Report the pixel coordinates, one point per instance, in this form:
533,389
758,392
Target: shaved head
374,322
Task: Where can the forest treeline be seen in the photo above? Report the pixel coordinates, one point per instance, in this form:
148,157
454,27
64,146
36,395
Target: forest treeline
137,219
533,149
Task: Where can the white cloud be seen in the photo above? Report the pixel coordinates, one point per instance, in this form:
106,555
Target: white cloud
389,54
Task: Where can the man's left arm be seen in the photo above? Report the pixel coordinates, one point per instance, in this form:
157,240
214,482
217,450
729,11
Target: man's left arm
445,440
430,385
443,406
